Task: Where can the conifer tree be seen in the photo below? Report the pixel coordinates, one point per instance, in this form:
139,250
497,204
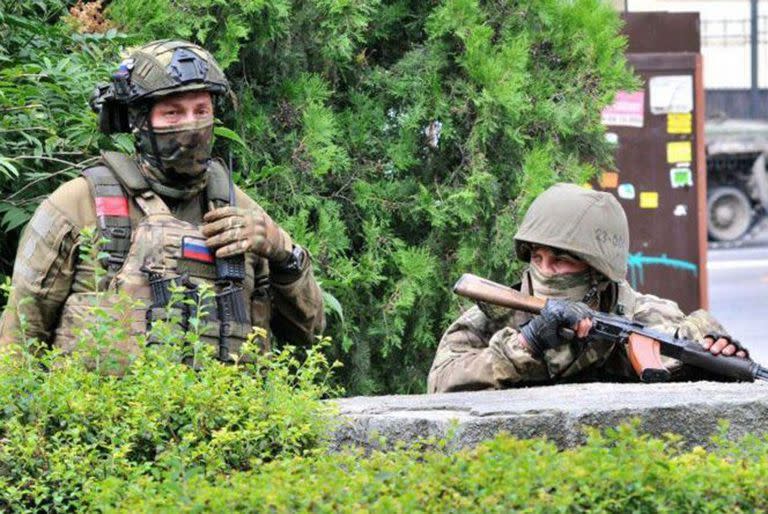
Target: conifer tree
400,141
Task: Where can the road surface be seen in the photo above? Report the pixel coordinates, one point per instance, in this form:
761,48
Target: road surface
738,293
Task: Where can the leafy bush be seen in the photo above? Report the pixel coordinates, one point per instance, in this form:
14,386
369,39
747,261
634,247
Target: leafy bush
47,132
65,426
616,472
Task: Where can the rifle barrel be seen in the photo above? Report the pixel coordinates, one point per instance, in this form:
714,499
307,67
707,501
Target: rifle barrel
761,373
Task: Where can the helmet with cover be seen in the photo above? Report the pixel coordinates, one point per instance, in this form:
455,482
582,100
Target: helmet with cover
151,71
588,224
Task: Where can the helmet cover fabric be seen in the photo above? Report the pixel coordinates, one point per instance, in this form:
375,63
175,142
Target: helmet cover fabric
589,224
167,67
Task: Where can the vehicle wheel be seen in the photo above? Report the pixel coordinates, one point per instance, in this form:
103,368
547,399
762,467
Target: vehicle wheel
729,213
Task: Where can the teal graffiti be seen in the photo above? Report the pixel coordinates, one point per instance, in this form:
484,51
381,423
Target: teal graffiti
637,263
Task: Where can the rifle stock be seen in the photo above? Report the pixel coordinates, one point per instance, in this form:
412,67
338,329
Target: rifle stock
483,290
644,346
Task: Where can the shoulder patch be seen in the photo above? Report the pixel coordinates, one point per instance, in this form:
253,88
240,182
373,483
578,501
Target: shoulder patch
111,206
41,222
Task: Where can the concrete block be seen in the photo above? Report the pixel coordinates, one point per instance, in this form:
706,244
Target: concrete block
558,413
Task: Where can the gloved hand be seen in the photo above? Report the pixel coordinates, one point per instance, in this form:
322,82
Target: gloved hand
724,344
542,332
233,231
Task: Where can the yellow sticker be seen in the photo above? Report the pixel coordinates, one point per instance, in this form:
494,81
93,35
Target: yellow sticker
649,200
679,123
609,180
679,151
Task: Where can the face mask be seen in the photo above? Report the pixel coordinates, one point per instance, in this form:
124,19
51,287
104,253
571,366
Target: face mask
570,286
183,149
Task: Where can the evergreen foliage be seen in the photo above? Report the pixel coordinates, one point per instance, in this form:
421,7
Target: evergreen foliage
398,140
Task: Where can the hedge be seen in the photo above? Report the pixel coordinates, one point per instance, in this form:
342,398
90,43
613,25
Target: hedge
69,422
76,436
618,471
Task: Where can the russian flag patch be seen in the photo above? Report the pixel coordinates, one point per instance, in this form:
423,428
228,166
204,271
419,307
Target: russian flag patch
194,249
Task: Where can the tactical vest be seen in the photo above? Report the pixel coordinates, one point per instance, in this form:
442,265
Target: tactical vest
155,243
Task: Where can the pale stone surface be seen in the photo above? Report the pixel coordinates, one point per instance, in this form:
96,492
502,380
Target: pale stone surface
556,412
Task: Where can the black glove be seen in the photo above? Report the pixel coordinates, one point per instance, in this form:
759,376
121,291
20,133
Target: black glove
542,332
739,347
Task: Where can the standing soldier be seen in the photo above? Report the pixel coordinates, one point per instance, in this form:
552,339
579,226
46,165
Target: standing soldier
167,217
576,244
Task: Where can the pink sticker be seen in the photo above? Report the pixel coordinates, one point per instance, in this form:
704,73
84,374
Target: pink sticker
626,111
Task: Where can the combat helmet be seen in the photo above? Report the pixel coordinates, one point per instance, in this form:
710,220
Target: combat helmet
151,71
589,224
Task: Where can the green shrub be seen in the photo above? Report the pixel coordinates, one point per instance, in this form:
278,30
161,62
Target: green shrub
616,472
208,437
47,132
65,426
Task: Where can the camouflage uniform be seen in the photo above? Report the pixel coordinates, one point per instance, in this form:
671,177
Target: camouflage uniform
482,348
165,201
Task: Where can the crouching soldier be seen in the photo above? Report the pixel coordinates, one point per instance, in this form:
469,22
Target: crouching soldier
576,244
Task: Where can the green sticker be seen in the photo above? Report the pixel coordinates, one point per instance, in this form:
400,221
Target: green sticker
681,177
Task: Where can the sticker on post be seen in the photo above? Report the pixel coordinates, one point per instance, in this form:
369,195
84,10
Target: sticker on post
680,210
609,179
626,110
671,93
649,200
679,151
679,123
626,191
681,177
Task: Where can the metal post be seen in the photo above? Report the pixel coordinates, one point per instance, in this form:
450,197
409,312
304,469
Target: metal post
754,104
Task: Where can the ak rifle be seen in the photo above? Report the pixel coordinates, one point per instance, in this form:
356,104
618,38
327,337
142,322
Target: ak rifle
644,346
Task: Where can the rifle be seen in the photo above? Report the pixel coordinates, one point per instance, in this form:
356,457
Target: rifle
230,301
644,346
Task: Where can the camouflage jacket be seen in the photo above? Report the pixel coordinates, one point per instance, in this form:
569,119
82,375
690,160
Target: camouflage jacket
482,349
48,269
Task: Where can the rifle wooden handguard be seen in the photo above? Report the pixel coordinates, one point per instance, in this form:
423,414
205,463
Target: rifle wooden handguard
645,357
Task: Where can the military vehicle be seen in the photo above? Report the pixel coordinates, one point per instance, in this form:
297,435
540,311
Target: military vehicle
737,179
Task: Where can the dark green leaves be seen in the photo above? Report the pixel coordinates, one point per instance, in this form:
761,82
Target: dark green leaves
332,136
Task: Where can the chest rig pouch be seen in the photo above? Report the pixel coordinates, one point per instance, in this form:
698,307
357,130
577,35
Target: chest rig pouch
153,252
